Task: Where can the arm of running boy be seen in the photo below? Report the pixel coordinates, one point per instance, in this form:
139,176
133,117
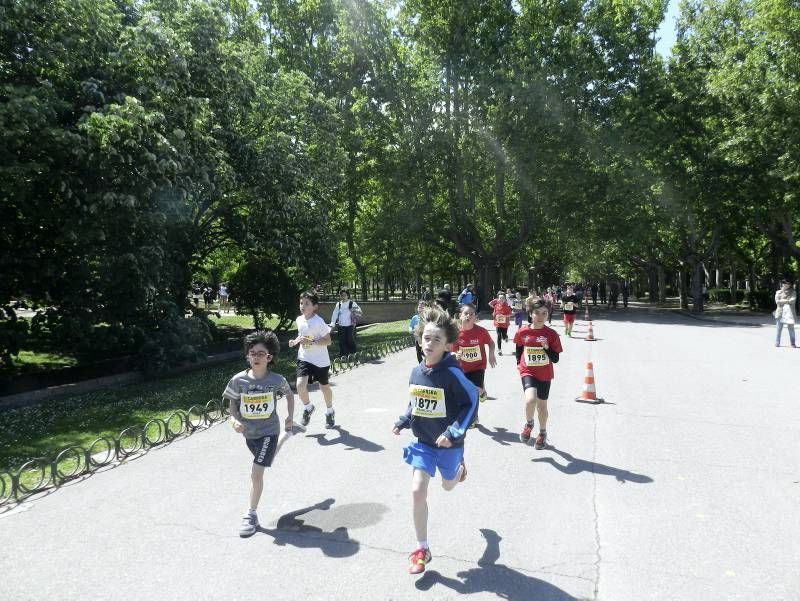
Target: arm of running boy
492,358
465,394
289,422
236,416
403,422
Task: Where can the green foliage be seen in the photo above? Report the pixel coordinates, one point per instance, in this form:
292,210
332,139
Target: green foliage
263,289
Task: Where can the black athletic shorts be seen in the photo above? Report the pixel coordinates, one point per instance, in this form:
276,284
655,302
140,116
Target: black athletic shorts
263,449
476,377
315,373
542,386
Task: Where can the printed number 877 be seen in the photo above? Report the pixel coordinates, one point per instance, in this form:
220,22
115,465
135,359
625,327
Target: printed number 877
426,404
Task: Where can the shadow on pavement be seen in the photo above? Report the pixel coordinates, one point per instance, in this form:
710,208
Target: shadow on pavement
350,441
501,436
576,466
293,531
491,577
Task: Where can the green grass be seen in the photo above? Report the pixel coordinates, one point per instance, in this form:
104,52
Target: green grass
35,361
43,430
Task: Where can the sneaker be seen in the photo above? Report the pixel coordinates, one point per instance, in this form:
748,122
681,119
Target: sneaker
418,559
500,353
329,419
248,525
307,415
482,396
474,423
541,440
463,472
525,435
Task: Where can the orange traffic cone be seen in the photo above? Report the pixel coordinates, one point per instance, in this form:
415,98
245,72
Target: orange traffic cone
589,394
590,334
586,313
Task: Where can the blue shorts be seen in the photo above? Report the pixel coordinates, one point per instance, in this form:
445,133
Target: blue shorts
427,458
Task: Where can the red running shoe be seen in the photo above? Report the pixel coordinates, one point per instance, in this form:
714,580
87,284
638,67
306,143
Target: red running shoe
541,440
525,435
418,559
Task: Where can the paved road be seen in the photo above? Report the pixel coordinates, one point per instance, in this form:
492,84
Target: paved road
685,486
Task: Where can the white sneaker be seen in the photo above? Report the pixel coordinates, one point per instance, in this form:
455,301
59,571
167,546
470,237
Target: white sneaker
248,525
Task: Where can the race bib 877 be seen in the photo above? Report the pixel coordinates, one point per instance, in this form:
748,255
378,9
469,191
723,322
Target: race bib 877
427,401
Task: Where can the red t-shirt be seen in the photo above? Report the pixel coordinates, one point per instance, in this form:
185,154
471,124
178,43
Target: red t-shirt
501,313
473,348
534,361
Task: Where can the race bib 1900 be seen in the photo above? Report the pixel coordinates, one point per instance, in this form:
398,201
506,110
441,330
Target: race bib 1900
427,401
257,405
535,356
471,354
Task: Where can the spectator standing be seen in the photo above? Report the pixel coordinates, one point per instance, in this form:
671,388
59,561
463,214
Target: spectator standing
345,316
785,299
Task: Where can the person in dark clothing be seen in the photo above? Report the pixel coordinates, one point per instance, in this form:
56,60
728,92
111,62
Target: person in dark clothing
603,297
625,293
594,293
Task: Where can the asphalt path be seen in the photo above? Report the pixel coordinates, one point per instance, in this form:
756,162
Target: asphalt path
685,484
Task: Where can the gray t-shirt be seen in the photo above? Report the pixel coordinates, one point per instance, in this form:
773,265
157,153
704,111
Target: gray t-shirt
253,402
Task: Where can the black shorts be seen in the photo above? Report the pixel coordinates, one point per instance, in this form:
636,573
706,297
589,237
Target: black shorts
542,386
263,449
476,377
315,373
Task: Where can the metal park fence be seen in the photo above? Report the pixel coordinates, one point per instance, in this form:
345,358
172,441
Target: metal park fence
75,461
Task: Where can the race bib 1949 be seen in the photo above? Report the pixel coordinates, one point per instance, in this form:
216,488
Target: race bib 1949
427,401
471,354
258,405
535,356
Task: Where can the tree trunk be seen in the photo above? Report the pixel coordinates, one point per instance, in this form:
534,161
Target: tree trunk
683,287
718,278
734,284
697,287
662,284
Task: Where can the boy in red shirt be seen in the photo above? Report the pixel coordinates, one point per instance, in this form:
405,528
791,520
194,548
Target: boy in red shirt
502,318
538,348
470,349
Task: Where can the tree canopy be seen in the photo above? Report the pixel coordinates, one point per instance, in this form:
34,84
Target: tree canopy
305,141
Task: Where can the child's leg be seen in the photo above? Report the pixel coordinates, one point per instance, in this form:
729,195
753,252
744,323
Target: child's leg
327,394
499,339
530,404
541,409
256,485
419,493
302,389
451,484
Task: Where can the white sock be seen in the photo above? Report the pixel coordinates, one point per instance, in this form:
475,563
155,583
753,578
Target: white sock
422,544
251,511
308,406
328,410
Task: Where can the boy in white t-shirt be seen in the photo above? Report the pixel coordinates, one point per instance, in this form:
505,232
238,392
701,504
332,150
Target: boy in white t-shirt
313,336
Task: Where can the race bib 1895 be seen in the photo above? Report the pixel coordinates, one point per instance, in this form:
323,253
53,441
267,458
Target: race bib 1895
257,405
427,401
471,354
535,356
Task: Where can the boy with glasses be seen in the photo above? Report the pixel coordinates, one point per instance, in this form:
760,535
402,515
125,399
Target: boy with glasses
252,395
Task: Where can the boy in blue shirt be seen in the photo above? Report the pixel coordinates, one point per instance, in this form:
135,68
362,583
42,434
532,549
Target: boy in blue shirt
442,405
